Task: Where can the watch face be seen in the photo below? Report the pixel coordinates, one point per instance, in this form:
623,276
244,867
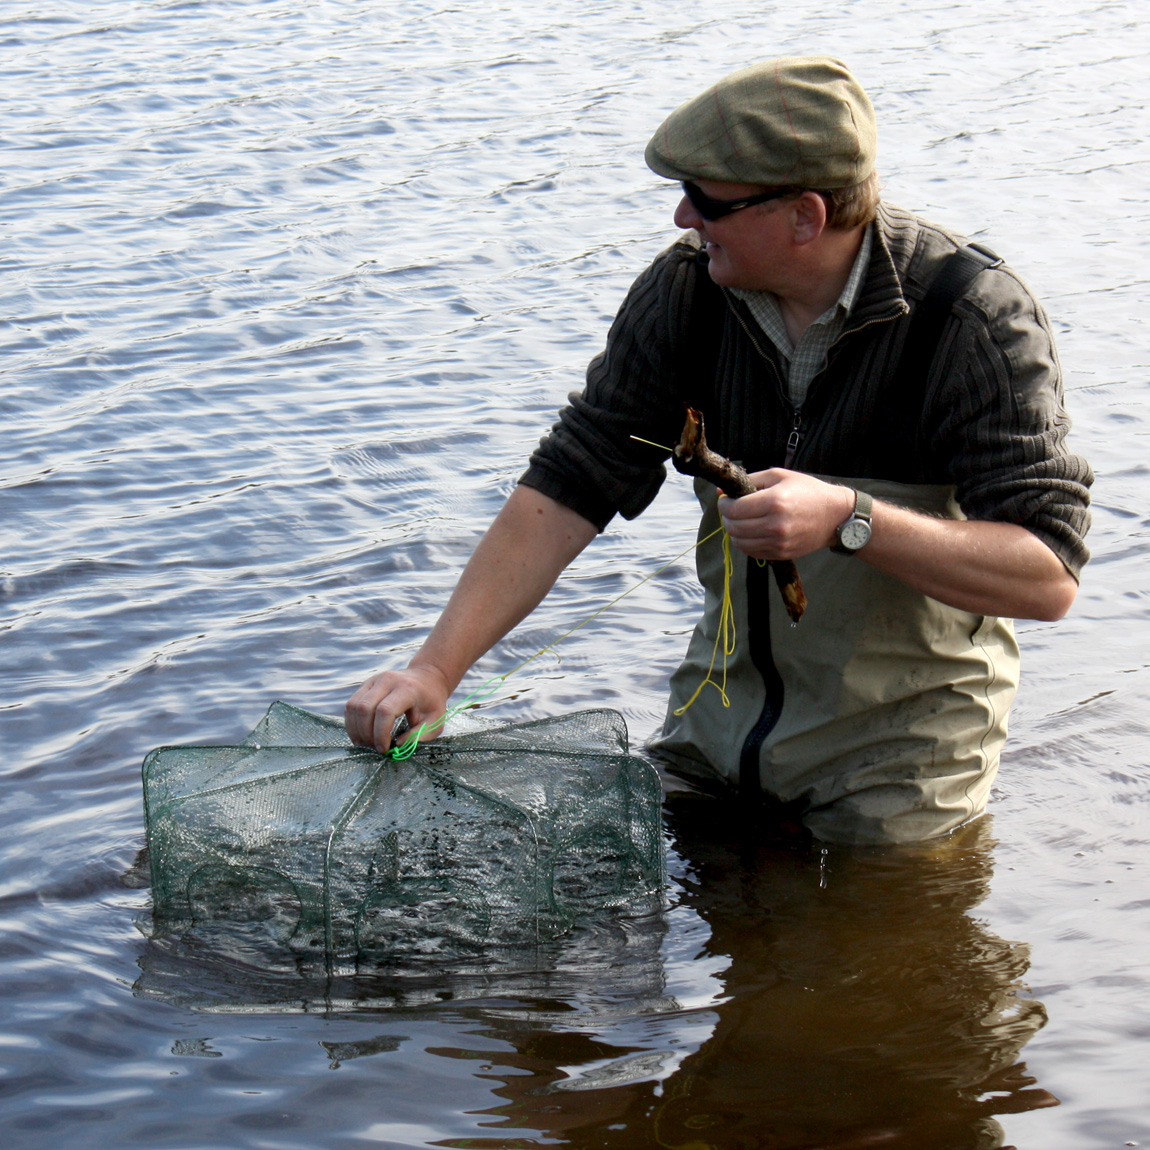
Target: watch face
855,533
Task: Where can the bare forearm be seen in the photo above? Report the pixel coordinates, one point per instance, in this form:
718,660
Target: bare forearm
516,563
986,568
982,567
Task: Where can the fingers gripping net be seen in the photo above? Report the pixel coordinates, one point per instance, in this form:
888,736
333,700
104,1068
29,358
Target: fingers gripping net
495,837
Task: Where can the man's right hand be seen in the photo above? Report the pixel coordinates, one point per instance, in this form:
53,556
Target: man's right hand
531,541
420,693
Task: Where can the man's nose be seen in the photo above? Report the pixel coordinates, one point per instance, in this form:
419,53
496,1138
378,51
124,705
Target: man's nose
686,217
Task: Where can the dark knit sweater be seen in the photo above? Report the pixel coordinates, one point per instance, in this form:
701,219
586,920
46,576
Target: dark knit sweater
989,419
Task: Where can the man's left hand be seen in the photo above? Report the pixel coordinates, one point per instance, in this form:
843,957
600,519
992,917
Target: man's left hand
789,516
984,567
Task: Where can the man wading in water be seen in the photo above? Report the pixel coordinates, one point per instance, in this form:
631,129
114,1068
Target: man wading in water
900,412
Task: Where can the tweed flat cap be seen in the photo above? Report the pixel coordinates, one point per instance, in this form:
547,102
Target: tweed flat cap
795,121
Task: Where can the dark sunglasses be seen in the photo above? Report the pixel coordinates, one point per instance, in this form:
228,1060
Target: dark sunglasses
711,209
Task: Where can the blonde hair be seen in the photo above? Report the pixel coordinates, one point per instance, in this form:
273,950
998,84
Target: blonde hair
848,207
853,205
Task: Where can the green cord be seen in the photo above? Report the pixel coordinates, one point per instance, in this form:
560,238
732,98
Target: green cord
485,690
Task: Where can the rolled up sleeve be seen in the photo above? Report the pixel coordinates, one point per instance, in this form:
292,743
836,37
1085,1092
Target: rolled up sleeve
588,461
998,416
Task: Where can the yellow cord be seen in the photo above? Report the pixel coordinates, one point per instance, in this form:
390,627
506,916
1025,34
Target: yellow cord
407,748
724,637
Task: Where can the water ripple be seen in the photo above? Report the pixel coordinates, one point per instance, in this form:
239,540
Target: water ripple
290,292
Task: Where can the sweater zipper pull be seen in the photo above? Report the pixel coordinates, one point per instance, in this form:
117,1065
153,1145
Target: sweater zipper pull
794,437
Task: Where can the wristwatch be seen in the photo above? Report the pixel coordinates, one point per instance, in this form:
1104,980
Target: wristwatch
853,534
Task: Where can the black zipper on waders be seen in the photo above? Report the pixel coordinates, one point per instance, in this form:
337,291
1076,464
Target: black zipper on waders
759,590
759,580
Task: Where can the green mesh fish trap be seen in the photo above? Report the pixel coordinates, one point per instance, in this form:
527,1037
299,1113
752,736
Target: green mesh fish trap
497,837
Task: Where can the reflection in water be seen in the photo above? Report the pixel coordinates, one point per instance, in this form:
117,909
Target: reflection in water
862,1005
865,1007
609,964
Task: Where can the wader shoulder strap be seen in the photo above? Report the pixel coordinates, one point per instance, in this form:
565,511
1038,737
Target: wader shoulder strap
700,358
926,325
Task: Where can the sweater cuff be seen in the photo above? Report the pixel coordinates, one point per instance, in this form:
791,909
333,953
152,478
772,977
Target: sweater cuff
596,511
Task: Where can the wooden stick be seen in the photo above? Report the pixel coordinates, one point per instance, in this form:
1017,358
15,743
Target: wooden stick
693,457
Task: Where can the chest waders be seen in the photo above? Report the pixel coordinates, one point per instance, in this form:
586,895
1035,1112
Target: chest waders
881,716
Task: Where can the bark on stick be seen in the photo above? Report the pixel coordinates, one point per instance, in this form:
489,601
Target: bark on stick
693,457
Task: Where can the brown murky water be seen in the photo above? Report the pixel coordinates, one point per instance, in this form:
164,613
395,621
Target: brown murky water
290,293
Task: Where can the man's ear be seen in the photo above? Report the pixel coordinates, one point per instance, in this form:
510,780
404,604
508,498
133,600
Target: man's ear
809,217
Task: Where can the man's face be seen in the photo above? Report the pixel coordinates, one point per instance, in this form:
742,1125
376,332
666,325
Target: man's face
745,247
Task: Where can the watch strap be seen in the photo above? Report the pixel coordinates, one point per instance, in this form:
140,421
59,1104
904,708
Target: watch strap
864,504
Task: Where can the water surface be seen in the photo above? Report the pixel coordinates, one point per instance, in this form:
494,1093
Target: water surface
289,293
